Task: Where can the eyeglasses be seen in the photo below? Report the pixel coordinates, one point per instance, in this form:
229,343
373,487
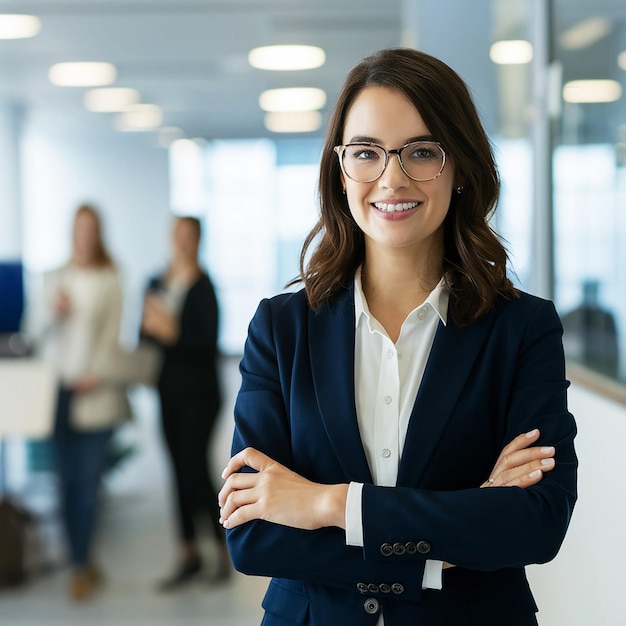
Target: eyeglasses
366,162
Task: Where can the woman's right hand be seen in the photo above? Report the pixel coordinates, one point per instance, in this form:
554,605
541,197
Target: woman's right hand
61,304
520,465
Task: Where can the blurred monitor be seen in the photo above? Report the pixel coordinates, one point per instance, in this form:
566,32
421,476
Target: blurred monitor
11,296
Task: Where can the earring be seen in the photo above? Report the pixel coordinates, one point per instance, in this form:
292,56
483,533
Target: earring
344,191
459,190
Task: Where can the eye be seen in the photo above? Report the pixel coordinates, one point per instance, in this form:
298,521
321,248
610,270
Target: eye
422,152
362,153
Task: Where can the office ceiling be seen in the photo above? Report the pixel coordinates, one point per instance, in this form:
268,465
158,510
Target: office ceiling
190,56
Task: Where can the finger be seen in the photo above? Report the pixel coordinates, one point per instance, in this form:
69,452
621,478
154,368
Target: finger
236,482
523,475
237,499
249,457
521,441
521,457
240,516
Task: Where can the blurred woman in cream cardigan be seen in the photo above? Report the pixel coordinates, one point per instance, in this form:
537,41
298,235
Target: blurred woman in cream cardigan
83,308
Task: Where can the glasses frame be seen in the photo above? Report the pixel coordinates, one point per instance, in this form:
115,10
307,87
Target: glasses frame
340,150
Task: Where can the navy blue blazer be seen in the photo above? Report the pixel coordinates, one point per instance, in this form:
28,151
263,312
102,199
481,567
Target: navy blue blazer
483,385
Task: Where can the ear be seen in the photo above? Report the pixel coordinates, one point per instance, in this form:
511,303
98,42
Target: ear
343,181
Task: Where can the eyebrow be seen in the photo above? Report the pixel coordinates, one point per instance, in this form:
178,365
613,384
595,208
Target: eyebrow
364,139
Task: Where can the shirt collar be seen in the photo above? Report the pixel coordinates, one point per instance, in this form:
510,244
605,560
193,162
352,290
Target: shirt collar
438,299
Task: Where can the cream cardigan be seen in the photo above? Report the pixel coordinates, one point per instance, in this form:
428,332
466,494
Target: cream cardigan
86,342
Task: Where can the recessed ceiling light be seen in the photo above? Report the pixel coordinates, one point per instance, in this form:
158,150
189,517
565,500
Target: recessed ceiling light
15,26
110,99
292,99
621,60
589,91
82,74
140,117
293,121
585,33
511,52
283,58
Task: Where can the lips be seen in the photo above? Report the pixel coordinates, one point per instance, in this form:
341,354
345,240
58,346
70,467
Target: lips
395,207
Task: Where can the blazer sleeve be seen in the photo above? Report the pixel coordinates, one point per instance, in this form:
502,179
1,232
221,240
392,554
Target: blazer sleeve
266,549
494,528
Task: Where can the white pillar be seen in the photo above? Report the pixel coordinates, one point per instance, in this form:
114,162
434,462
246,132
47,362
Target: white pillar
10,200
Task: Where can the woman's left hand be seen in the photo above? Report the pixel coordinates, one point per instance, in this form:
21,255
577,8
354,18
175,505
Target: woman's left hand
276,494
520,464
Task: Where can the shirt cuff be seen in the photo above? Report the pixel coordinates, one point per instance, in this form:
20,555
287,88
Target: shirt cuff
354,516
432,575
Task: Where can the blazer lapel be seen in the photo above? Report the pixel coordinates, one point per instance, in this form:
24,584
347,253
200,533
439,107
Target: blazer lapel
331,346
451,359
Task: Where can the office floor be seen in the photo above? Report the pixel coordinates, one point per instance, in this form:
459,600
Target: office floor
135,545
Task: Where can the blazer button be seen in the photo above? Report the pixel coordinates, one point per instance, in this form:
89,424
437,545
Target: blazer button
372,588
362,587
386,549
384,588
423,547
371,606
397,588
399,549
411,548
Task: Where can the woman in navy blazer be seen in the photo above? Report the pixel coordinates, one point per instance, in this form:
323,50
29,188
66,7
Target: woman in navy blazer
407,184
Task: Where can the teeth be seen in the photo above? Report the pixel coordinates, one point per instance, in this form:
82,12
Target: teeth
391,208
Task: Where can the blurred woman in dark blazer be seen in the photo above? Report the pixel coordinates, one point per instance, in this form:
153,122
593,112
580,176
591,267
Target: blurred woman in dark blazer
181,315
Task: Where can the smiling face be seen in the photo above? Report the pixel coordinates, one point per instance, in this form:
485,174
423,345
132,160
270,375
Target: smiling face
395,212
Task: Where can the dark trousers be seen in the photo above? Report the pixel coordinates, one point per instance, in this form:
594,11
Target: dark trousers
80,459
187,431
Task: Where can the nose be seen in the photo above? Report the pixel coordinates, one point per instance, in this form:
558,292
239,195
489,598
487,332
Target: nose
393,176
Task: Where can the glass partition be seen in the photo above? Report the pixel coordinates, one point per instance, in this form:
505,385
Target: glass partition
589,181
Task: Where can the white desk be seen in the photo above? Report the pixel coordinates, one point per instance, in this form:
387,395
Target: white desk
28,391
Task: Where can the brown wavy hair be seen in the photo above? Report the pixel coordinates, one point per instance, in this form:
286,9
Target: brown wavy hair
474,263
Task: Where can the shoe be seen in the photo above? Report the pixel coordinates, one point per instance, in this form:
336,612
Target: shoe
85,582
186,572
222,572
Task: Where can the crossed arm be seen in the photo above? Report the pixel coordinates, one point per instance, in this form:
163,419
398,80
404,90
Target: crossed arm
274,493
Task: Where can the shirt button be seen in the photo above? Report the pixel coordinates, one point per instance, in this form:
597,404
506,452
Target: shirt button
389,353
387,399
421,314
385,452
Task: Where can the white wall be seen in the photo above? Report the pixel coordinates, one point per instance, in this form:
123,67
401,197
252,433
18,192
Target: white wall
124,174
585,584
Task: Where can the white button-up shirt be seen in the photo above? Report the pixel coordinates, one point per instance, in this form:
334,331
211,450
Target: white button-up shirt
387,378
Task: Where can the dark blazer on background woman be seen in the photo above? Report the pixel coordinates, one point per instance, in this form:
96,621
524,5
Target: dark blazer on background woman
188,368
483,385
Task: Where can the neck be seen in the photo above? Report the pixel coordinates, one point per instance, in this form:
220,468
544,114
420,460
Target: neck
180,266
399,276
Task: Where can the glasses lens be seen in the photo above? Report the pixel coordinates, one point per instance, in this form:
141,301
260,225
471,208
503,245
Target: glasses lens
422,160
363,162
